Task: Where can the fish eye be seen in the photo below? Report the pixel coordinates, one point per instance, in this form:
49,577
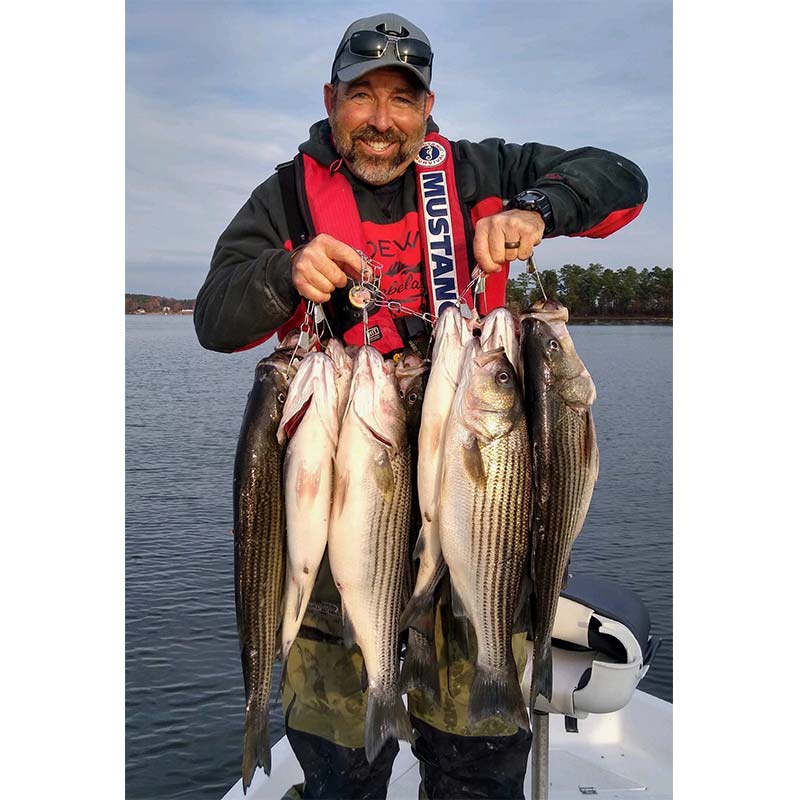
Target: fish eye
502,377
281,397
553,344
412,398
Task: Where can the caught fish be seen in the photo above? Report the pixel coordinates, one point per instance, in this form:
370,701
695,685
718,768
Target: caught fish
565,463
500,328
483,523
368,537
310,424
419,663
412,377
343,371
450,337
259,546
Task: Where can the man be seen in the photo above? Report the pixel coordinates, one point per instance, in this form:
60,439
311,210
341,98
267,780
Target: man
377,177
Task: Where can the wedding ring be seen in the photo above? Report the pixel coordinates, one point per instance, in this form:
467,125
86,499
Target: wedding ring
512,245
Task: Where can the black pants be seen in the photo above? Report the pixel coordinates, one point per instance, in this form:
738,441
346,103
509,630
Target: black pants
451,766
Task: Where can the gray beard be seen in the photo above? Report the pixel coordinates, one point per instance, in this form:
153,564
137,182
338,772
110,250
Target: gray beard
374,169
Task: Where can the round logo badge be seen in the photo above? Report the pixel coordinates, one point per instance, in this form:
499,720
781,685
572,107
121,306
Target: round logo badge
430,155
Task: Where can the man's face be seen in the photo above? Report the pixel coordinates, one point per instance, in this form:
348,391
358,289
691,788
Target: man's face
378,122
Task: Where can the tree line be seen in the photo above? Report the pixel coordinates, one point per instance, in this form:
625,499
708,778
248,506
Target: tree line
592,291
596,291
151,303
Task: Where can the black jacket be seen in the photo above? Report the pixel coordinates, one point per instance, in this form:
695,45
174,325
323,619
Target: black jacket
248,292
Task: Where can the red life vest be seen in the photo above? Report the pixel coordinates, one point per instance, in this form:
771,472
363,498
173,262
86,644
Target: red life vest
436,237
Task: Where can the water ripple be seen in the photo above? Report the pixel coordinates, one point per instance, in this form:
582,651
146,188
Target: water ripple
184,691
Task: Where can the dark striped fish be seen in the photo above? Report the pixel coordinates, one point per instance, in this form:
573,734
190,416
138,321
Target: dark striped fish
565,462
368,537
419,665
483,521
259,550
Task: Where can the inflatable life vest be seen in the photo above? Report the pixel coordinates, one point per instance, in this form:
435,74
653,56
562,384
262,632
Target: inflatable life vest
327,204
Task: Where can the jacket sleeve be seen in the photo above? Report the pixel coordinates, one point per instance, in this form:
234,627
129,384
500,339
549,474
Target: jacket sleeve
592,192
248,291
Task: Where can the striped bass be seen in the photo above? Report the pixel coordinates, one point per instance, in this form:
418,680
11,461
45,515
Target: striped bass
343,371
500,328
565,464
368,537
310,424
419,662
483,523
259,545
450,337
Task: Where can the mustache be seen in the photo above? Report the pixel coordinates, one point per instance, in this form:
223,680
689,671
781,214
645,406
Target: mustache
374,135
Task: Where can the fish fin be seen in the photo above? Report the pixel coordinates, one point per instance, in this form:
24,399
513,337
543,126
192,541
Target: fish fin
348,631
498,694
565,578
256,750
419,667
384,477
419,546
288,427
419,612
459,609
473,462
387,719
542,680
521,619
340,487
590,444
301,591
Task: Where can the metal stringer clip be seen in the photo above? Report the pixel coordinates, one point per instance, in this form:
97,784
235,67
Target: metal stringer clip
532,268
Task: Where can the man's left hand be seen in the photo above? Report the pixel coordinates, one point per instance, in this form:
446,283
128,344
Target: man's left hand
515,227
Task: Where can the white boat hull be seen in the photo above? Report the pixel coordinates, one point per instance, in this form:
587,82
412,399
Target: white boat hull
625,754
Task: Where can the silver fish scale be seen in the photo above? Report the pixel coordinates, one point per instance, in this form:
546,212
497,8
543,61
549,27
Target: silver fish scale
485,537
389,559
262,545
499,539
259,553
569,473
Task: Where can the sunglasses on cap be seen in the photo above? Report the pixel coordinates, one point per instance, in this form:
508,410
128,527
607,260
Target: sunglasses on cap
373,44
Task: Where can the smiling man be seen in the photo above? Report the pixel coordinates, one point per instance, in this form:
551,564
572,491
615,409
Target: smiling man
378,122
377,177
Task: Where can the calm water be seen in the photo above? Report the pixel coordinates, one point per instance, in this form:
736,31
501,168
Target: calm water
185,701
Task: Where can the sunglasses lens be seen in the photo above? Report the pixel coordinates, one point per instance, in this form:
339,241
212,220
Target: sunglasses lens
372,44
368,44
414,51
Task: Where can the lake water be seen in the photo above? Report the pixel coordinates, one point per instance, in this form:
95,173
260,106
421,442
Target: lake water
184,694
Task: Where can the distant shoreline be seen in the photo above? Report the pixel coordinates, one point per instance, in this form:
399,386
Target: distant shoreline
573,320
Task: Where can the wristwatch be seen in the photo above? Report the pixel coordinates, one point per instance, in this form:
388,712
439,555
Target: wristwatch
534,200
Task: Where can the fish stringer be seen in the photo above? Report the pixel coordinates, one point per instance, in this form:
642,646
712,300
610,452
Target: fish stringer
533,269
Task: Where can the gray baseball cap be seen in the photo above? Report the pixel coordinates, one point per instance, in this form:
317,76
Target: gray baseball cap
408,42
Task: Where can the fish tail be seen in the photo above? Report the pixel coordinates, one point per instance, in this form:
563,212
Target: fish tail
419,667
496,693
418,614
387,719
256,748
542,682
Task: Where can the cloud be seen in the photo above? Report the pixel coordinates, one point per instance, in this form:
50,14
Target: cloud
218,93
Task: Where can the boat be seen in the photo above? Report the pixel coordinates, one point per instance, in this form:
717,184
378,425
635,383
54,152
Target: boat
606,737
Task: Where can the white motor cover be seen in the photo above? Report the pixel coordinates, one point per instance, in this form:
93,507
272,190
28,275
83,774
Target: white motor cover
611,684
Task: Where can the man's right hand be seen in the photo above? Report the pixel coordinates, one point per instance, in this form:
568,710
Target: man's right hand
322,265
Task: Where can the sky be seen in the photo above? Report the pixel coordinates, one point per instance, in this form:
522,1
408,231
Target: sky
218,93
207,88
